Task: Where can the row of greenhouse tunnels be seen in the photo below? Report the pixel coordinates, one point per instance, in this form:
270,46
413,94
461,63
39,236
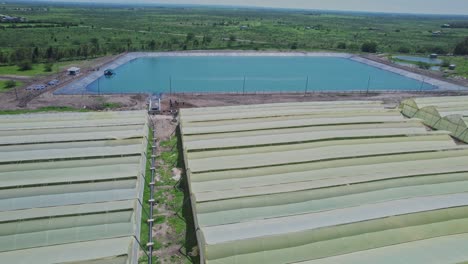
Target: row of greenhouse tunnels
313,182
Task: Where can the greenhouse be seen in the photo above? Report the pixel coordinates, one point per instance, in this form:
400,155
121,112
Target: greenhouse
441,113
326,182
70,187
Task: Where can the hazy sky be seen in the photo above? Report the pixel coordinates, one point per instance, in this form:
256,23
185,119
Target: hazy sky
394,6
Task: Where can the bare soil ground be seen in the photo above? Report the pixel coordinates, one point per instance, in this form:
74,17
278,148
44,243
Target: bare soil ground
164,126
204,100
139,101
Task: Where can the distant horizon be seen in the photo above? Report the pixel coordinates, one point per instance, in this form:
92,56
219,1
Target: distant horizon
426,7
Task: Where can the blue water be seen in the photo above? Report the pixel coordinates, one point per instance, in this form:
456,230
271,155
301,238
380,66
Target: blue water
419,59
250,74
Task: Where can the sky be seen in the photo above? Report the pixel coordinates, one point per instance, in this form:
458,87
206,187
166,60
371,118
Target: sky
459,7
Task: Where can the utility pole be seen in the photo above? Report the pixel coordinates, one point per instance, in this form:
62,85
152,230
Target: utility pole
170,84
243,86
422,85
368,85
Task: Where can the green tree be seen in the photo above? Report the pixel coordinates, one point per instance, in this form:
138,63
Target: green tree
152,45
232,38
370,47
95,43
50,53
207,39
190,37
341,45
461,48
294,46
129,43
35,54
404,49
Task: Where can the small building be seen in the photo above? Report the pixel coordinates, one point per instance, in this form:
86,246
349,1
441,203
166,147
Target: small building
446,26
436,33
433,56
244,27
74,71
452,67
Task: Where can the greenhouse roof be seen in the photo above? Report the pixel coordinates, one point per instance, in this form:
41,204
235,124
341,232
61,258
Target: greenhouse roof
323,182
441,113
70,184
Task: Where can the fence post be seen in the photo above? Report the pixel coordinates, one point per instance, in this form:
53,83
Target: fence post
368,86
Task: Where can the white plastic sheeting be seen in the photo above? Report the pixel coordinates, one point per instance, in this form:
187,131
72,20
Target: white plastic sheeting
70,184
299,183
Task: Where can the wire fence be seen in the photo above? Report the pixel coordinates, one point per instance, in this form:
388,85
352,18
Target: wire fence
251,85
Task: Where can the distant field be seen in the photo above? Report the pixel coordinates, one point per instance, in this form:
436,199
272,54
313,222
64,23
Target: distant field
75,32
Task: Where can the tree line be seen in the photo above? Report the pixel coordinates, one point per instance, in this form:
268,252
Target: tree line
24,57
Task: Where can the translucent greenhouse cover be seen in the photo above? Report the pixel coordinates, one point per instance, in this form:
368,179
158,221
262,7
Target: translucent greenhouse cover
310,182
70,184
441,113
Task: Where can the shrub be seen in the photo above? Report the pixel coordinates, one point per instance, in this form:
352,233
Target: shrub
10,84
423,65
294,46
404,50
437,50
48,67
446,63
461,48
341,45
25,65
370,47
353,47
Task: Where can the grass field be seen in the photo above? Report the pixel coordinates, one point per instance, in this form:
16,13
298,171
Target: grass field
15,70
461,63
3,87
37,69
